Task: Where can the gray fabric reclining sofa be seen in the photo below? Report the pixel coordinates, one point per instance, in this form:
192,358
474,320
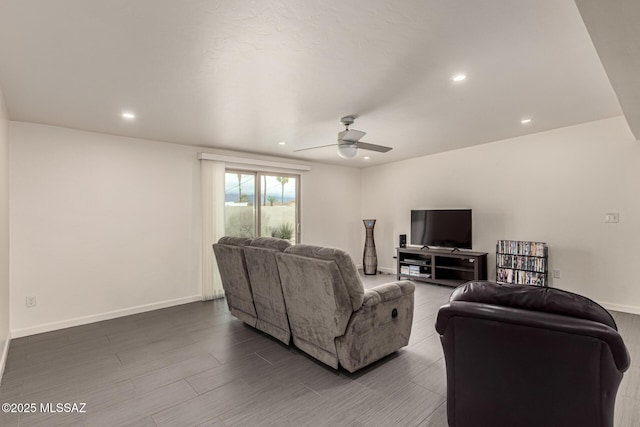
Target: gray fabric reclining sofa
314,295
251,283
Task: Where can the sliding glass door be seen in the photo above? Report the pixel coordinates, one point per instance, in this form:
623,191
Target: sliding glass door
279,207
262,204
239,204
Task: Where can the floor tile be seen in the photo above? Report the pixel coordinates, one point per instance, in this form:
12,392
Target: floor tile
173,372
142,406
409,406
205,406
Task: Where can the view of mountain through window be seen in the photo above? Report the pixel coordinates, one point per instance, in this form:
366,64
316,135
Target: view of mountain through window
261,204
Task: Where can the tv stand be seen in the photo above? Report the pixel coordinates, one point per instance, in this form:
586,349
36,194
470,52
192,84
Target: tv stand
441,266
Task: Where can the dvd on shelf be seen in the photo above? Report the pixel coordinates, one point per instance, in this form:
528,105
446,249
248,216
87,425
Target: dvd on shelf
522,262
515,247
520,277
413,270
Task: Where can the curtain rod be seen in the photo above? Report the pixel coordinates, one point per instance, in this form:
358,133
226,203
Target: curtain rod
253,162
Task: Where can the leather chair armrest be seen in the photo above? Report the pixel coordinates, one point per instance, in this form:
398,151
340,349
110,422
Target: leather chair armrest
535,319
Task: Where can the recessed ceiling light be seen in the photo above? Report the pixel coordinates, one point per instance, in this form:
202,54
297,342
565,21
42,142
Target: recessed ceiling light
128,115
366,157
459,77
525,121
282,143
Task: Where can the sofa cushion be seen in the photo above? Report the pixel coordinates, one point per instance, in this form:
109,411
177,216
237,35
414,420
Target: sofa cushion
234,241
270,243
266,287
235,279
347,268
535,298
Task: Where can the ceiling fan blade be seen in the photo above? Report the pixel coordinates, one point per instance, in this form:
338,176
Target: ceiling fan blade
373,147
350,135
313,148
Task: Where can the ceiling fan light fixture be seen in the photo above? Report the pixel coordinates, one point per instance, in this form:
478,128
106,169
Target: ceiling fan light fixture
347,151
349,142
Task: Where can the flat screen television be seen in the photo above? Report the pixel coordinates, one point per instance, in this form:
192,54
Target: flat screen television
450,228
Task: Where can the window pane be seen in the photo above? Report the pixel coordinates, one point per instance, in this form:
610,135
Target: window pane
239,206
279,210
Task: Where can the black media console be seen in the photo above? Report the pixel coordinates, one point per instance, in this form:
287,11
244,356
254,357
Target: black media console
441,266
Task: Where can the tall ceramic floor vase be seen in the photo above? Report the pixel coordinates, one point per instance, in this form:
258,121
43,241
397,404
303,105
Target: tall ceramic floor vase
369,258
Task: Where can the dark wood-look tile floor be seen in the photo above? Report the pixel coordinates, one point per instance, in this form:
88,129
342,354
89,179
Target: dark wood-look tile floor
196,365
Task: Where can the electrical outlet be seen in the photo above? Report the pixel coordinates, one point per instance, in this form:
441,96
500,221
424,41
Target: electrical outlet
612,217
556,273
31,301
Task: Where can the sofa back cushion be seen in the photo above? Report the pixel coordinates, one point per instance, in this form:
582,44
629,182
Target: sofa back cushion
270,243
535,298
345,265
233,272
234,241
265,285
318,304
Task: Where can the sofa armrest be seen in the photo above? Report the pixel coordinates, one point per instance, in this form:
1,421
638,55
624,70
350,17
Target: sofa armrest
381,326
387,292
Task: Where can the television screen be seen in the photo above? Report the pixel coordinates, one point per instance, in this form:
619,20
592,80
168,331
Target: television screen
449,228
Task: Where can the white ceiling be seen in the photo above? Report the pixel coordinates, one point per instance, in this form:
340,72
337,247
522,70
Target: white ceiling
614,28
245,75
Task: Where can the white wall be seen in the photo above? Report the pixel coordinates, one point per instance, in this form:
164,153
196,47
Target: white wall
98,224
553,186
331,209
104,225
4,235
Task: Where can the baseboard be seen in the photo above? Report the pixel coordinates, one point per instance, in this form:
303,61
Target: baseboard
3,359
620,307
78,321
387,270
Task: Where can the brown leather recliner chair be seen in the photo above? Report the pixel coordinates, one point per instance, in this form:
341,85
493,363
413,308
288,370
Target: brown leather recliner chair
529,356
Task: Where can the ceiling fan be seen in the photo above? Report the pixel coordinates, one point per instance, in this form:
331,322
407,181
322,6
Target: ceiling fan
349,141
